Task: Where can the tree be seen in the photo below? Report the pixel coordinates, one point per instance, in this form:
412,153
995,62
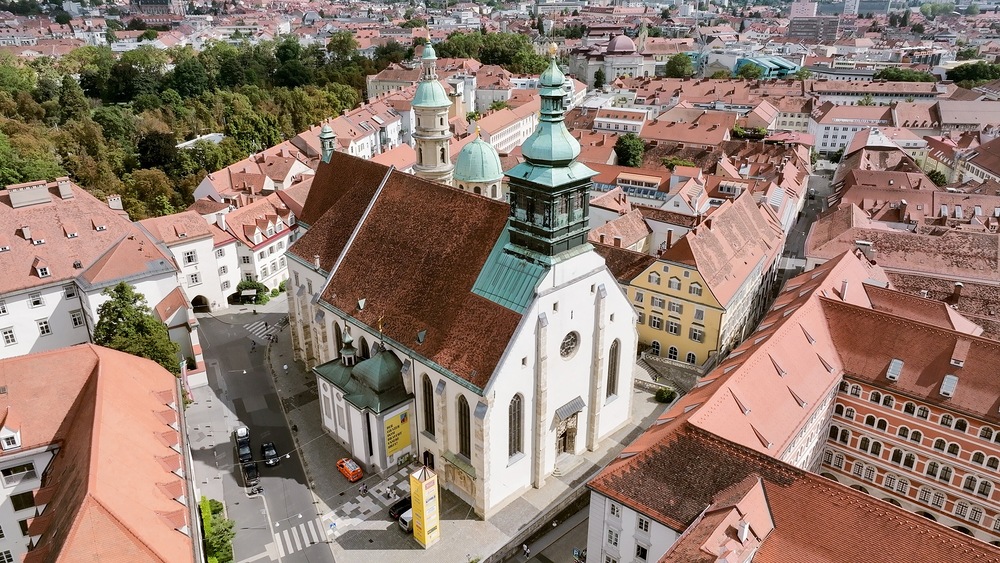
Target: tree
972,10
341,45
866,100
967,53
836,156
599,78
974,72
499,105
802,74
125,323
917,28
157,149
630,149
937,177
72,101
904,75
679,66
262,296
190,78
63,18
750,71
149,193
149,35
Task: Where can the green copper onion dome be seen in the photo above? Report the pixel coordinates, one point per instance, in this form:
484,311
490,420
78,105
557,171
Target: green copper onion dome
430,93
478,162
551,143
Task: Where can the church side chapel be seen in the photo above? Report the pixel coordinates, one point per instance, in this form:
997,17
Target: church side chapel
482,338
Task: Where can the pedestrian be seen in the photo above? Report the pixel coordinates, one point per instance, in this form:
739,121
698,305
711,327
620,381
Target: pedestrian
265,325
364,489
527,552
361,489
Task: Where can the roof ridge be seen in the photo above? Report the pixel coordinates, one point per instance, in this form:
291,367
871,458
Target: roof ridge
127,530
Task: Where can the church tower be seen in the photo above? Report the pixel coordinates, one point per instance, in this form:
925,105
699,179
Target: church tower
549,200
432,134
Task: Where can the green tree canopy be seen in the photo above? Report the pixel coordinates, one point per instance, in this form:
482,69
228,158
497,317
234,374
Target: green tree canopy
679,66
974,72
125,323
630,149
721,75
750,71
599,78
802,74
937,177
904,75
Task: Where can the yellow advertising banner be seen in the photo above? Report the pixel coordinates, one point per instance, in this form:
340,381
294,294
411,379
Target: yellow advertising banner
397,432
424,499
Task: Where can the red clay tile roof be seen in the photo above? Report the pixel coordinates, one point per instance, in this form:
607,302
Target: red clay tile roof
206,206
169,228
83,212
413,259
926,351
345,176
624,264
729,245
101,409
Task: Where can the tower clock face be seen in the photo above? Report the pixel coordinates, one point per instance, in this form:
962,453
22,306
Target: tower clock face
569,344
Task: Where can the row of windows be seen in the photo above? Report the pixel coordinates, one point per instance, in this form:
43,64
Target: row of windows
932,469
673,283
44,328
695,333
515,410
673,353
946,420
902,486
36,300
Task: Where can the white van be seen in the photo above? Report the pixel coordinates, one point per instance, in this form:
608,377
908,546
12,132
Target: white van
406,521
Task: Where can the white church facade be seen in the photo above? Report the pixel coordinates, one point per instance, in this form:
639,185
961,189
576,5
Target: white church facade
485,339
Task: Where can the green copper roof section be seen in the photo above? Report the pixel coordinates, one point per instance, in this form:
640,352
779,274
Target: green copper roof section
551,143
356,383
551,177
431,94
508,279
478,162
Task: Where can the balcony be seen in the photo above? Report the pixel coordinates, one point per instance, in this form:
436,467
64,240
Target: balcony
16,478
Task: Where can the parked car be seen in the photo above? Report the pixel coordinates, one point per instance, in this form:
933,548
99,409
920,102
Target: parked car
269,453
406,521
243,450
350,469
250,474
396,510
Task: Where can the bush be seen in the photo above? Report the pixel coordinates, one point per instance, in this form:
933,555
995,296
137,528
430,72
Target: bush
665,395
263,295
283,285
274,292
216,506
218,531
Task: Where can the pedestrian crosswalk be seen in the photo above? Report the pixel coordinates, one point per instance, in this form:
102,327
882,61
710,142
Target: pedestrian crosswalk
261,329
299,536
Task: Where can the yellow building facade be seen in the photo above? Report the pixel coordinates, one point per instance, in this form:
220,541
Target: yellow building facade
679,317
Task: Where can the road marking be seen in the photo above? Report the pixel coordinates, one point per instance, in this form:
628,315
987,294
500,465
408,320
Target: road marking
281,549
312,530
305,536
298,544
288,541
261,329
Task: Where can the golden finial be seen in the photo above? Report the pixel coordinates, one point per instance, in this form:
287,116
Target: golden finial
380,323
477,131
553,49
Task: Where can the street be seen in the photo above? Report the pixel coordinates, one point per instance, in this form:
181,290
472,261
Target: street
282,524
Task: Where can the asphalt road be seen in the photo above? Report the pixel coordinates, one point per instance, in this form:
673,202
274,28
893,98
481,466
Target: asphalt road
284,516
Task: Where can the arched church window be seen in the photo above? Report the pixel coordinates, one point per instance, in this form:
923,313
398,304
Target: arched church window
428,390
444,156
613,369
464,428
515,442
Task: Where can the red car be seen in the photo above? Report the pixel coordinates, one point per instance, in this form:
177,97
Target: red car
350,469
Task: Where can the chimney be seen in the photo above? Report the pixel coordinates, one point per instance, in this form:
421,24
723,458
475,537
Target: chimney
670,238
618,242
220,220
843,290
316,261
115,202
26,232
957,293
65,191
924,293
601,238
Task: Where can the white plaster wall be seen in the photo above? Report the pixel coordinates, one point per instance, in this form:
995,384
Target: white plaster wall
206,266
567,296
13,540
657,541
23,319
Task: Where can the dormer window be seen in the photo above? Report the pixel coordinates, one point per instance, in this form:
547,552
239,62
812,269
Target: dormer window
270,231
4,248
37,241
11,442
101,228
72,235
43,272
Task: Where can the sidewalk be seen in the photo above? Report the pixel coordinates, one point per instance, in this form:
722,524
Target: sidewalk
357,525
